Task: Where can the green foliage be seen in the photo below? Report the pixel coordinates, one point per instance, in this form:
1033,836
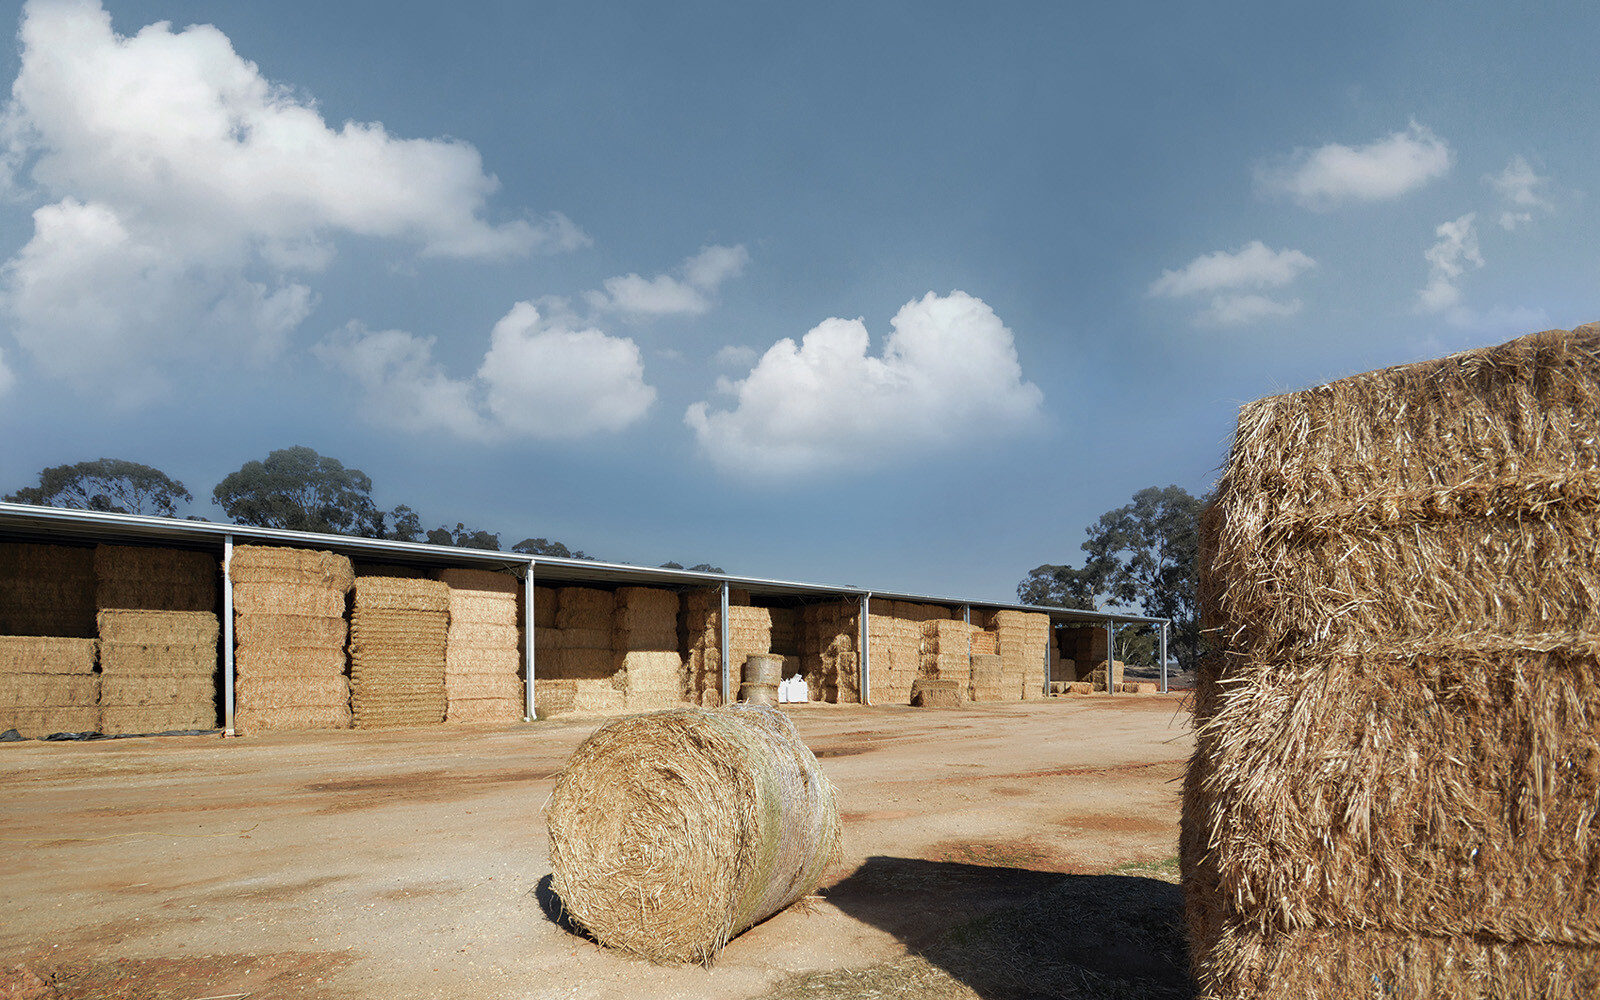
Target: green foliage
300,490
1145,554
701,568
407,525
464,537
545,547
106,484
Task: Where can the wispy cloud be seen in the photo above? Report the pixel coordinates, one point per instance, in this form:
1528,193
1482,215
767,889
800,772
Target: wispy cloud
1449,258
1323,178
1521,192
686,293
1235,279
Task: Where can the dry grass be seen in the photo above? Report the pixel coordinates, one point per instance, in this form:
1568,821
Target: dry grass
670,833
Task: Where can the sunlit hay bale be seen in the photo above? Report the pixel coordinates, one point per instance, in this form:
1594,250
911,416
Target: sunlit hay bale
1022,638
670,833
983,641
931,692
268,636
1398,748
482,710
46,691
276,564
43,654
398,634
46,590
37,723
654,679
987,681
646,619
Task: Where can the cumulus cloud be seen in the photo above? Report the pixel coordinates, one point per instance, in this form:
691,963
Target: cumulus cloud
1329,175
1225,275
686,293
540,378
1455,250
1520,189
948,372
188,196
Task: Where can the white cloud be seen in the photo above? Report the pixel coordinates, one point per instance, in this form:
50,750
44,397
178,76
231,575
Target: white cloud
189,193
540,378
948,373
1448,259
1324,177
735,356
687,294
1242,310
1519,188
1255,265
1252,266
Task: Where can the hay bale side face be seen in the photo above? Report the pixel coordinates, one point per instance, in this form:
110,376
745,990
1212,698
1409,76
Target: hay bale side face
670,833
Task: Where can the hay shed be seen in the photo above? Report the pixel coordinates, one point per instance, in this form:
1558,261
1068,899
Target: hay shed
1398,759
672,832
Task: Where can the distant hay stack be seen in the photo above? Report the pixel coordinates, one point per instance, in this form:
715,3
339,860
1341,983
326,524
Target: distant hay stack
289,636
47,590
483,649
1398,757
1022,638
670,833
749,632
48,685
830,638
399,630
644,638
947,656
158,671
576,669
133,578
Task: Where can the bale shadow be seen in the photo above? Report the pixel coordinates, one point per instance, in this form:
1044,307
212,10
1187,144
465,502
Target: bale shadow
554,910
1018,934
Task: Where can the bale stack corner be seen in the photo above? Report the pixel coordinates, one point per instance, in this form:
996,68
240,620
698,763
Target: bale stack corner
1398,733
399,631
289,634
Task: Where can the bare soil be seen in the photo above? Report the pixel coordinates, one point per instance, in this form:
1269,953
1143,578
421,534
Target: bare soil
990,851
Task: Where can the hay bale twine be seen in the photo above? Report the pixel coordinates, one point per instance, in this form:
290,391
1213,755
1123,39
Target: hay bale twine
763,669
671,833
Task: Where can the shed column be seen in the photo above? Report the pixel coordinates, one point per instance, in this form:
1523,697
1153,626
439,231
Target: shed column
722,622
1164,656
529,631
966,619
1111,658
227,636
865,662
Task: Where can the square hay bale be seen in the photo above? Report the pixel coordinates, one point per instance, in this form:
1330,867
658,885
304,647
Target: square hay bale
272,598
47,590
399,630
129,719
43,654
266,693
931,693
269,632
250,721
151,660
484,710
488,660
48,691
1396,767
192,628
584,608
37,723
155,579
544,607
465,686
483,581
173,690
280,564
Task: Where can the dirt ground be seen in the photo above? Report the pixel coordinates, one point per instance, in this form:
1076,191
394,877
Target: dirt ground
991,851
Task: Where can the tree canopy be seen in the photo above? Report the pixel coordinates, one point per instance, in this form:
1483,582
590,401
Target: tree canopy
108,484
300,490
1144,554
464,537
545,547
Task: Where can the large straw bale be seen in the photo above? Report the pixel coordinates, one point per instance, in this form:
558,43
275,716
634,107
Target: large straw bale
931,692
460,659
672,832
125,719
469,710
585,638
41,654
46,590
1398,748
478,633
465,686
278,564
399,629
481,580
544,607
988,678
401,594
556,696
48,691
159,627
137,659
584,608
167,690
290,632
155,579
273,691
249,721
37,723
272,598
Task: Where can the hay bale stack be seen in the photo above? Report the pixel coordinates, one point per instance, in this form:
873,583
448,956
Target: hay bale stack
786,630
749,632
133,578
290,633
932,692
672,832
1022,638
1097,676
399,632
983,641
946,650
577,668
544,607
830,634
483,647
1393,790
48,685
47,590
644,634
158,670
988,681
895,645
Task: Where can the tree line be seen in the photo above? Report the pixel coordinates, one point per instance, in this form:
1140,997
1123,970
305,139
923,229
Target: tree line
292,488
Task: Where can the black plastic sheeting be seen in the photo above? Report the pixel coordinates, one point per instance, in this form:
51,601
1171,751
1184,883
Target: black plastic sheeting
128,736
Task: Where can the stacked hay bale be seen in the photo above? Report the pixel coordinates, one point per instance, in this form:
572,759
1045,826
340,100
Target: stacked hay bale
156,613
672,832
1085,648
47,640
894,643
399,631
946,653
48,685
289,634
749,633
644,635
1097,676
988,681
483,647
983,641
1022,639
830,634
47,590
577,668
1393,790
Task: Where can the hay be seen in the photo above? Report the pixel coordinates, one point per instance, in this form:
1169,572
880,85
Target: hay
556,697
1398,754
544,607
460,659
248,721
584,608
289,661
37,723
133,659
189,628
30,654
275,632
468,710
399,631
759,694
762,668
46,590
931,692
155,579
48,691
670,833
261,692
127,719
304,567
287,599
165,690
466,686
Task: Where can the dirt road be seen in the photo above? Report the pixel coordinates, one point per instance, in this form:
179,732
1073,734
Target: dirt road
412,864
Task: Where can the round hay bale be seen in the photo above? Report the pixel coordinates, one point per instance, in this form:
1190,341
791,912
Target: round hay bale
672,832
763,668
758,694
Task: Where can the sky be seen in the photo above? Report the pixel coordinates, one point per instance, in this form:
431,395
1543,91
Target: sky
891,295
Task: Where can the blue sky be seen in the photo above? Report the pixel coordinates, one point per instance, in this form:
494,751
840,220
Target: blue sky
885,294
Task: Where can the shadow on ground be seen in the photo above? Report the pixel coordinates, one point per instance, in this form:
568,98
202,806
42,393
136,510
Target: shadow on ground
1013,933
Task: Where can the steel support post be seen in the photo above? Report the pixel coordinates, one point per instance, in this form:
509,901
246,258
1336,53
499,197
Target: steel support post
865,660
722,620
966,619
227,635
1111,657
1164,657
529,631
